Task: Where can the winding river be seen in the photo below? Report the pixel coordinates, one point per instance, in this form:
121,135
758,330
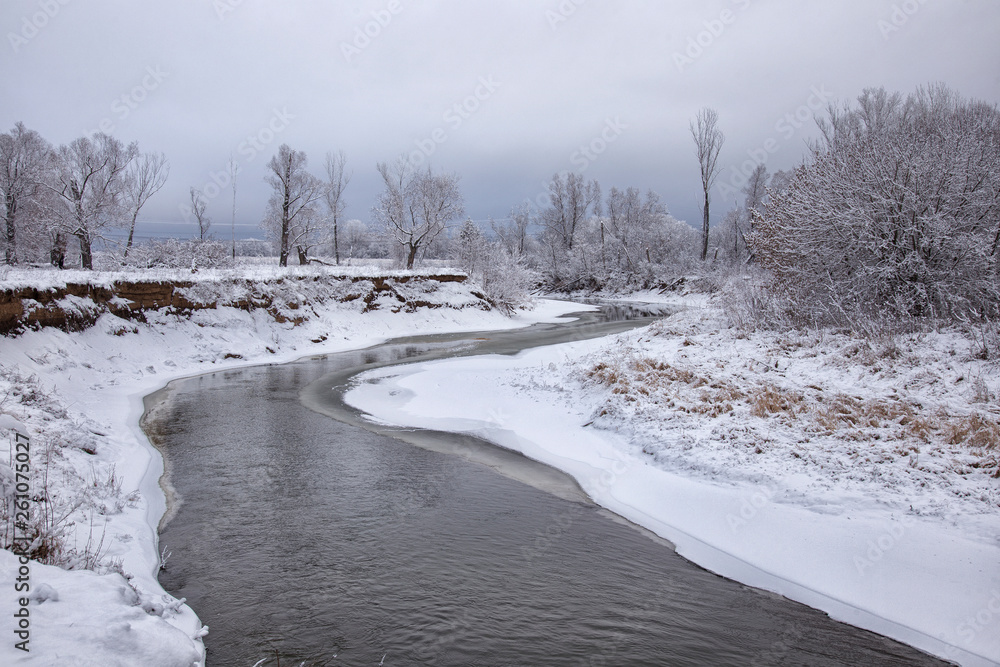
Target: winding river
302,539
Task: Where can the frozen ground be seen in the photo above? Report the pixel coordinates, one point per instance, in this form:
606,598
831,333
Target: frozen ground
79,398
857,478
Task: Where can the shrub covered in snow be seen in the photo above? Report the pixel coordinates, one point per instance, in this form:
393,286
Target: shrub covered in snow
171,254
897,213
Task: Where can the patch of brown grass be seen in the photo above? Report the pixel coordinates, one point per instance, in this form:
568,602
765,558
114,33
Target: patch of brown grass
973,431
770,400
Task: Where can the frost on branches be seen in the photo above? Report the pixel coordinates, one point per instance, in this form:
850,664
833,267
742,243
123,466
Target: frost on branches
897,214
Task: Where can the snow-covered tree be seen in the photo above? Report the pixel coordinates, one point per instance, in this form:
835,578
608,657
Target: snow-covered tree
504,278
356,238
90,181
145,177
708,140
898,211
514,232
571,202
199,208
337,180
24,158
416,206
469,248
291,209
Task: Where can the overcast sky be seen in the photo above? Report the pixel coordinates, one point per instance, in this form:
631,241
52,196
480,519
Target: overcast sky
534,83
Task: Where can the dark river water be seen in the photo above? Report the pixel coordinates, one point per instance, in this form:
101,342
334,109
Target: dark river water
303,540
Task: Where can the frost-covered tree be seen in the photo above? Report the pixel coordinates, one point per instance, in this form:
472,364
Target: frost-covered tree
90,181
708,140
146,176
630,223
416,206
469,248
296,192
337,180
571,202
514,232
199,208
356,238
24,159
504,278
898,210
731,235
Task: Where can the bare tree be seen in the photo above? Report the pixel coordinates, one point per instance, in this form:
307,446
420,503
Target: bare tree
416,206
571,201
234,170
307,230
630,227
199,206
514,234
24,158
295,192
756,188
90,180
336,182
145,177
708,140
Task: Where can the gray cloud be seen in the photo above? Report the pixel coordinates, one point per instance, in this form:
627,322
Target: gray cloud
378,79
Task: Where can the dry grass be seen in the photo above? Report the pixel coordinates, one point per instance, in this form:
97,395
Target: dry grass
974,431
662,386
643,373
770,400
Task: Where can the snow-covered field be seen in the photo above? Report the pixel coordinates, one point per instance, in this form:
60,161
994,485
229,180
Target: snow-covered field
859,478
79,396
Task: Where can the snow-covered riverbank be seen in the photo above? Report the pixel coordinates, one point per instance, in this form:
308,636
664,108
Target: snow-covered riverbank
79,397
855,478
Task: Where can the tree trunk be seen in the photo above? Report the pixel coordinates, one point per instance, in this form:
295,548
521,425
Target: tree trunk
336,244
411,256
10,256
131,234
303,258
283,251
86,255
285,224
57,254
704,231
